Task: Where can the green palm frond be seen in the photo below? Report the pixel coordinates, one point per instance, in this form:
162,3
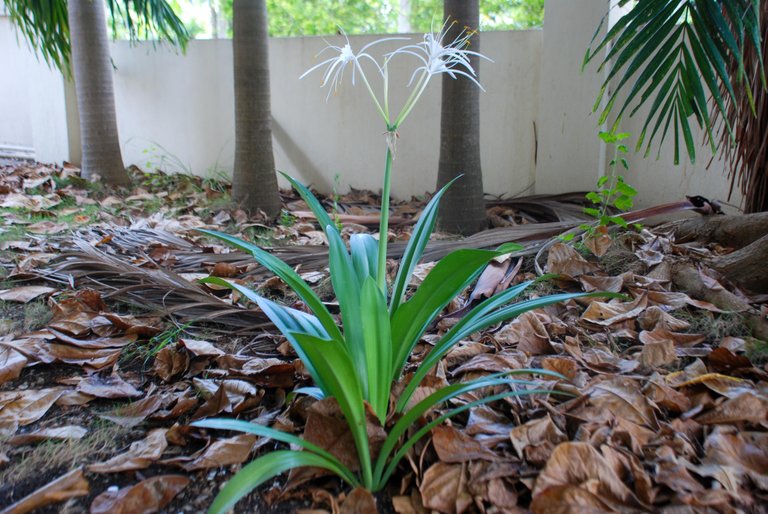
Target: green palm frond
676,54
45,25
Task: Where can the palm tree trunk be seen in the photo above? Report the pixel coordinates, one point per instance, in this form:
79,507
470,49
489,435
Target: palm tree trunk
462,209
92,71
254,184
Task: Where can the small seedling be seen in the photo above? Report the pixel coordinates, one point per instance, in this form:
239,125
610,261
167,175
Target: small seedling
612,192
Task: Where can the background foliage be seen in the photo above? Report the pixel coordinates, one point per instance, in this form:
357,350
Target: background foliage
323,17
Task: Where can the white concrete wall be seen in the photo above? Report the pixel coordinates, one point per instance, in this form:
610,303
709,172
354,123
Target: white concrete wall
176,112
33,114
569,155
181,108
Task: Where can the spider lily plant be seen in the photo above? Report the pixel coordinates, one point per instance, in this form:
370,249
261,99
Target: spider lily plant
359,365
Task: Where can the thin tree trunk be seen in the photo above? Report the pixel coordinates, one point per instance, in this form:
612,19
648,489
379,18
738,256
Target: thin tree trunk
254,185
92,71
462,209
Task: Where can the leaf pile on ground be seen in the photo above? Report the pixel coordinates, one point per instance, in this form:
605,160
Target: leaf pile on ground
665,406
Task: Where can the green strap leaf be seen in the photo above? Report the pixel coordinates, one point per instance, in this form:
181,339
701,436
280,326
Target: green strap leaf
262,469
289,321
346,285
415,247
314,205
287,275
447,279
458,332
378,347
334,365
278,435
410,417
365,255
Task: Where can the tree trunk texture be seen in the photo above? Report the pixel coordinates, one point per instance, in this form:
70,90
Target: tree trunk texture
254,183
462,209
748,235
92,71
733,231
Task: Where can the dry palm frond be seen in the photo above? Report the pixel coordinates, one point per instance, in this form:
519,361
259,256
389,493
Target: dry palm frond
157,289
747,151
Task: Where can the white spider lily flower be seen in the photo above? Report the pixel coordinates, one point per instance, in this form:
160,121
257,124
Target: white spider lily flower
437,57
335,66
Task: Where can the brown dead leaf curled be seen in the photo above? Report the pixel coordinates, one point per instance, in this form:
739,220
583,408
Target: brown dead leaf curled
568,499
73,432
615,311
620,397
146,497
581,465
564,260
535,440
749,406
111,386
327,428
222,452
134,413
25,294
170,363
67,486
11,363
140,455
658,353
359,501
444,488
25,407
454,446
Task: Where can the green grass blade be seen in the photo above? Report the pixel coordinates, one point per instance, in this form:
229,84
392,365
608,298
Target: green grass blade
447,279
287,275
415,248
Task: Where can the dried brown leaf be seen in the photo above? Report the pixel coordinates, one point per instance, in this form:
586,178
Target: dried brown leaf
535,440
454,446
45,434
359,501
140,455
25,294
134,413
444,488
170,363
11,363
67,486
749,406
564,260
223,452
111,386
620,397
24,407
581,465
146,497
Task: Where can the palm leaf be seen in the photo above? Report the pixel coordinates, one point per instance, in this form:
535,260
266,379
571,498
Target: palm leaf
45,25
693,40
